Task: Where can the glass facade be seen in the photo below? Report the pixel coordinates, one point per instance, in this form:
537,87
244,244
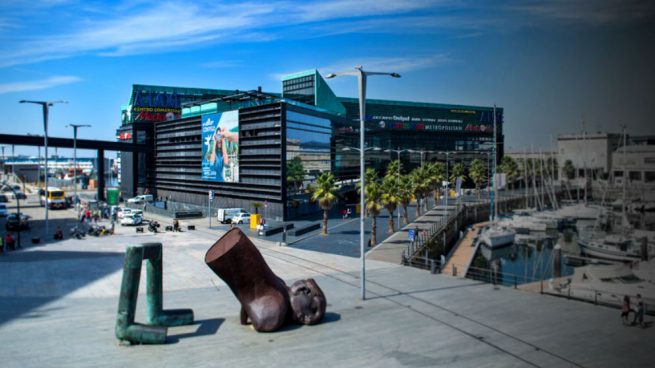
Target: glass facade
308,154
300,89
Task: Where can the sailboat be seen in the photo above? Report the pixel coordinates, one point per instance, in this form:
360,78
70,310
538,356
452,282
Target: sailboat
496,235
600,244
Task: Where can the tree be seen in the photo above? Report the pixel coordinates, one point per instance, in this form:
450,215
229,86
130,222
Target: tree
256,206
510,168
568,170
405,191
373,192
458,171
393,168
326,194
390,198
420,185
295,171
477,173
436,175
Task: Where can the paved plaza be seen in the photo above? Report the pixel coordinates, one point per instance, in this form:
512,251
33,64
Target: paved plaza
58,303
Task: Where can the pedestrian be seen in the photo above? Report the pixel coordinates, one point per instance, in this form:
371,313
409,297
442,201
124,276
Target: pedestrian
625,308
348,213
11,243
343,214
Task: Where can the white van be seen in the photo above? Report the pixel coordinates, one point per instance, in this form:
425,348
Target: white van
225,215
141,199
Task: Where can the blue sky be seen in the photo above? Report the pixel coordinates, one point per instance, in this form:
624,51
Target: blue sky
548,63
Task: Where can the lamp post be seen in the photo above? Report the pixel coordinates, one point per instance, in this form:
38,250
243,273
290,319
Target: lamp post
45,105
75,127
361,78
398,151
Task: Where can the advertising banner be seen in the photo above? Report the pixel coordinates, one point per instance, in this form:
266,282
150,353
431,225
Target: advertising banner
220,147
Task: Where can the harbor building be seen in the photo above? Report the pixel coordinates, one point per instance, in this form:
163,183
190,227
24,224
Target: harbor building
254,146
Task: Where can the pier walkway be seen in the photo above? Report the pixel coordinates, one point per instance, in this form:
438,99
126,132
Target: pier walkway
391,249
464,253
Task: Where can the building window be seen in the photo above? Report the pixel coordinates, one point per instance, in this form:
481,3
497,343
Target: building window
635,175
649,176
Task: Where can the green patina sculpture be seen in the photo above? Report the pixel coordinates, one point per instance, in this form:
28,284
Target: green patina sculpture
158,320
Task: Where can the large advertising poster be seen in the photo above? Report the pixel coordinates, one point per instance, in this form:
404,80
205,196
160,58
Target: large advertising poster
220,147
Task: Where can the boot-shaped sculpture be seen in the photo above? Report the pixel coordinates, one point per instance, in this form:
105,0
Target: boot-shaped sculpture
263,296
265,299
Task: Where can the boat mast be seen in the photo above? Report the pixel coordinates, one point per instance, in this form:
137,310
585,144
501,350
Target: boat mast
584,159
493,202
625,179
525,178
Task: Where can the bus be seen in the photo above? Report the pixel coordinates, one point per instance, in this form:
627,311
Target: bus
56,198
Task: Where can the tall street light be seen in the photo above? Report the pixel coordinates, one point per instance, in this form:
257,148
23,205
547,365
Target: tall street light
361,78
75,127
398,151
46,105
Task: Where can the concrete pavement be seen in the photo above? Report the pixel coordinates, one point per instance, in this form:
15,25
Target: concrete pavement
58,307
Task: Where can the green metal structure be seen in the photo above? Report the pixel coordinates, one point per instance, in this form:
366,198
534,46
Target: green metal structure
158,320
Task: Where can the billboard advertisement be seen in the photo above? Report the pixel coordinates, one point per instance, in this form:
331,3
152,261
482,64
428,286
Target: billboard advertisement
220,147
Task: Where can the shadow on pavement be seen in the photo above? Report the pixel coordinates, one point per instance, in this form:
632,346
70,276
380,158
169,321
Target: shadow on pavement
207,327
55,274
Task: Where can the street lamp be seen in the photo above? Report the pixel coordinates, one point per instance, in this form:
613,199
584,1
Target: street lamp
361,78
75,126
398,151
46,105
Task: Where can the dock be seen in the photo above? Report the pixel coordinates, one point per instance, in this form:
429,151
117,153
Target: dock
462,256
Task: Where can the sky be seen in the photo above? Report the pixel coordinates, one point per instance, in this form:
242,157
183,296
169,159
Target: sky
549,64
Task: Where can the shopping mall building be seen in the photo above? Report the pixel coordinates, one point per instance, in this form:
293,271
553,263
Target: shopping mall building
253,146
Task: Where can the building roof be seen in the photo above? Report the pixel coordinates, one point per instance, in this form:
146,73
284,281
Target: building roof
370,101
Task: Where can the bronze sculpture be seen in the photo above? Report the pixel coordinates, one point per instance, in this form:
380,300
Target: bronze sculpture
265,299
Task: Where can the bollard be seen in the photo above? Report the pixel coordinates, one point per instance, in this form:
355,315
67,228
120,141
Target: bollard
433,267
557,261
158,319
454,270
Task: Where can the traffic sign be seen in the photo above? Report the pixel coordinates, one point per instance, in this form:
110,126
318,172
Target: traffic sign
411,234
211,195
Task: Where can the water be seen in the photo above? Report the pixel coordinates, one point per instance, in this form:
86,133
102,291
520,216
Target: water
525,262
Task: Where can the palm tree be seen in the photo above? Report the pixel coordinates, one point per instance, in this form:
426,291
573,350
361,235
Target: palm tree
257,206
510,168
477,173
373,191
326,195
459,171
393,168
390,198
436,173
405,191
420,185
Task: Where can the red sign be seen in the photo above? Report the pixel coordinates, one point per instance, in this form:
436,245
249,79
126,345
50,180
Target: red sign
479,128
124,136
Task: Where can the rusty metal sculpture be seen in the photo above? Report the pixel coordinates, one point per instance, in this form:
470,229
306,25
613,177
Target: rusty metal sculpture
265,299
157,319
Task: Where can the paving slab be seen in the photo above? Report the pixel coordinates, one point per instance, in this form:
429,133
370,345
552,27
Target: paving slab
58,307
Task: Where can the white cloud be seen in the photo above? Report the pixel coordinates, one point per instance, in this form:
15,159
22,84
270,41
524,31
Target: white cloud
380,64
170,26
37,84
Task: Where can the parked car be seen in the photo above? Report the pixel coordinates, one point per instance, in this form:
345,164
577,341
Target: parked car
17,221
131,219
122,212
3,198
20,195
241,218
3,210
141,199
